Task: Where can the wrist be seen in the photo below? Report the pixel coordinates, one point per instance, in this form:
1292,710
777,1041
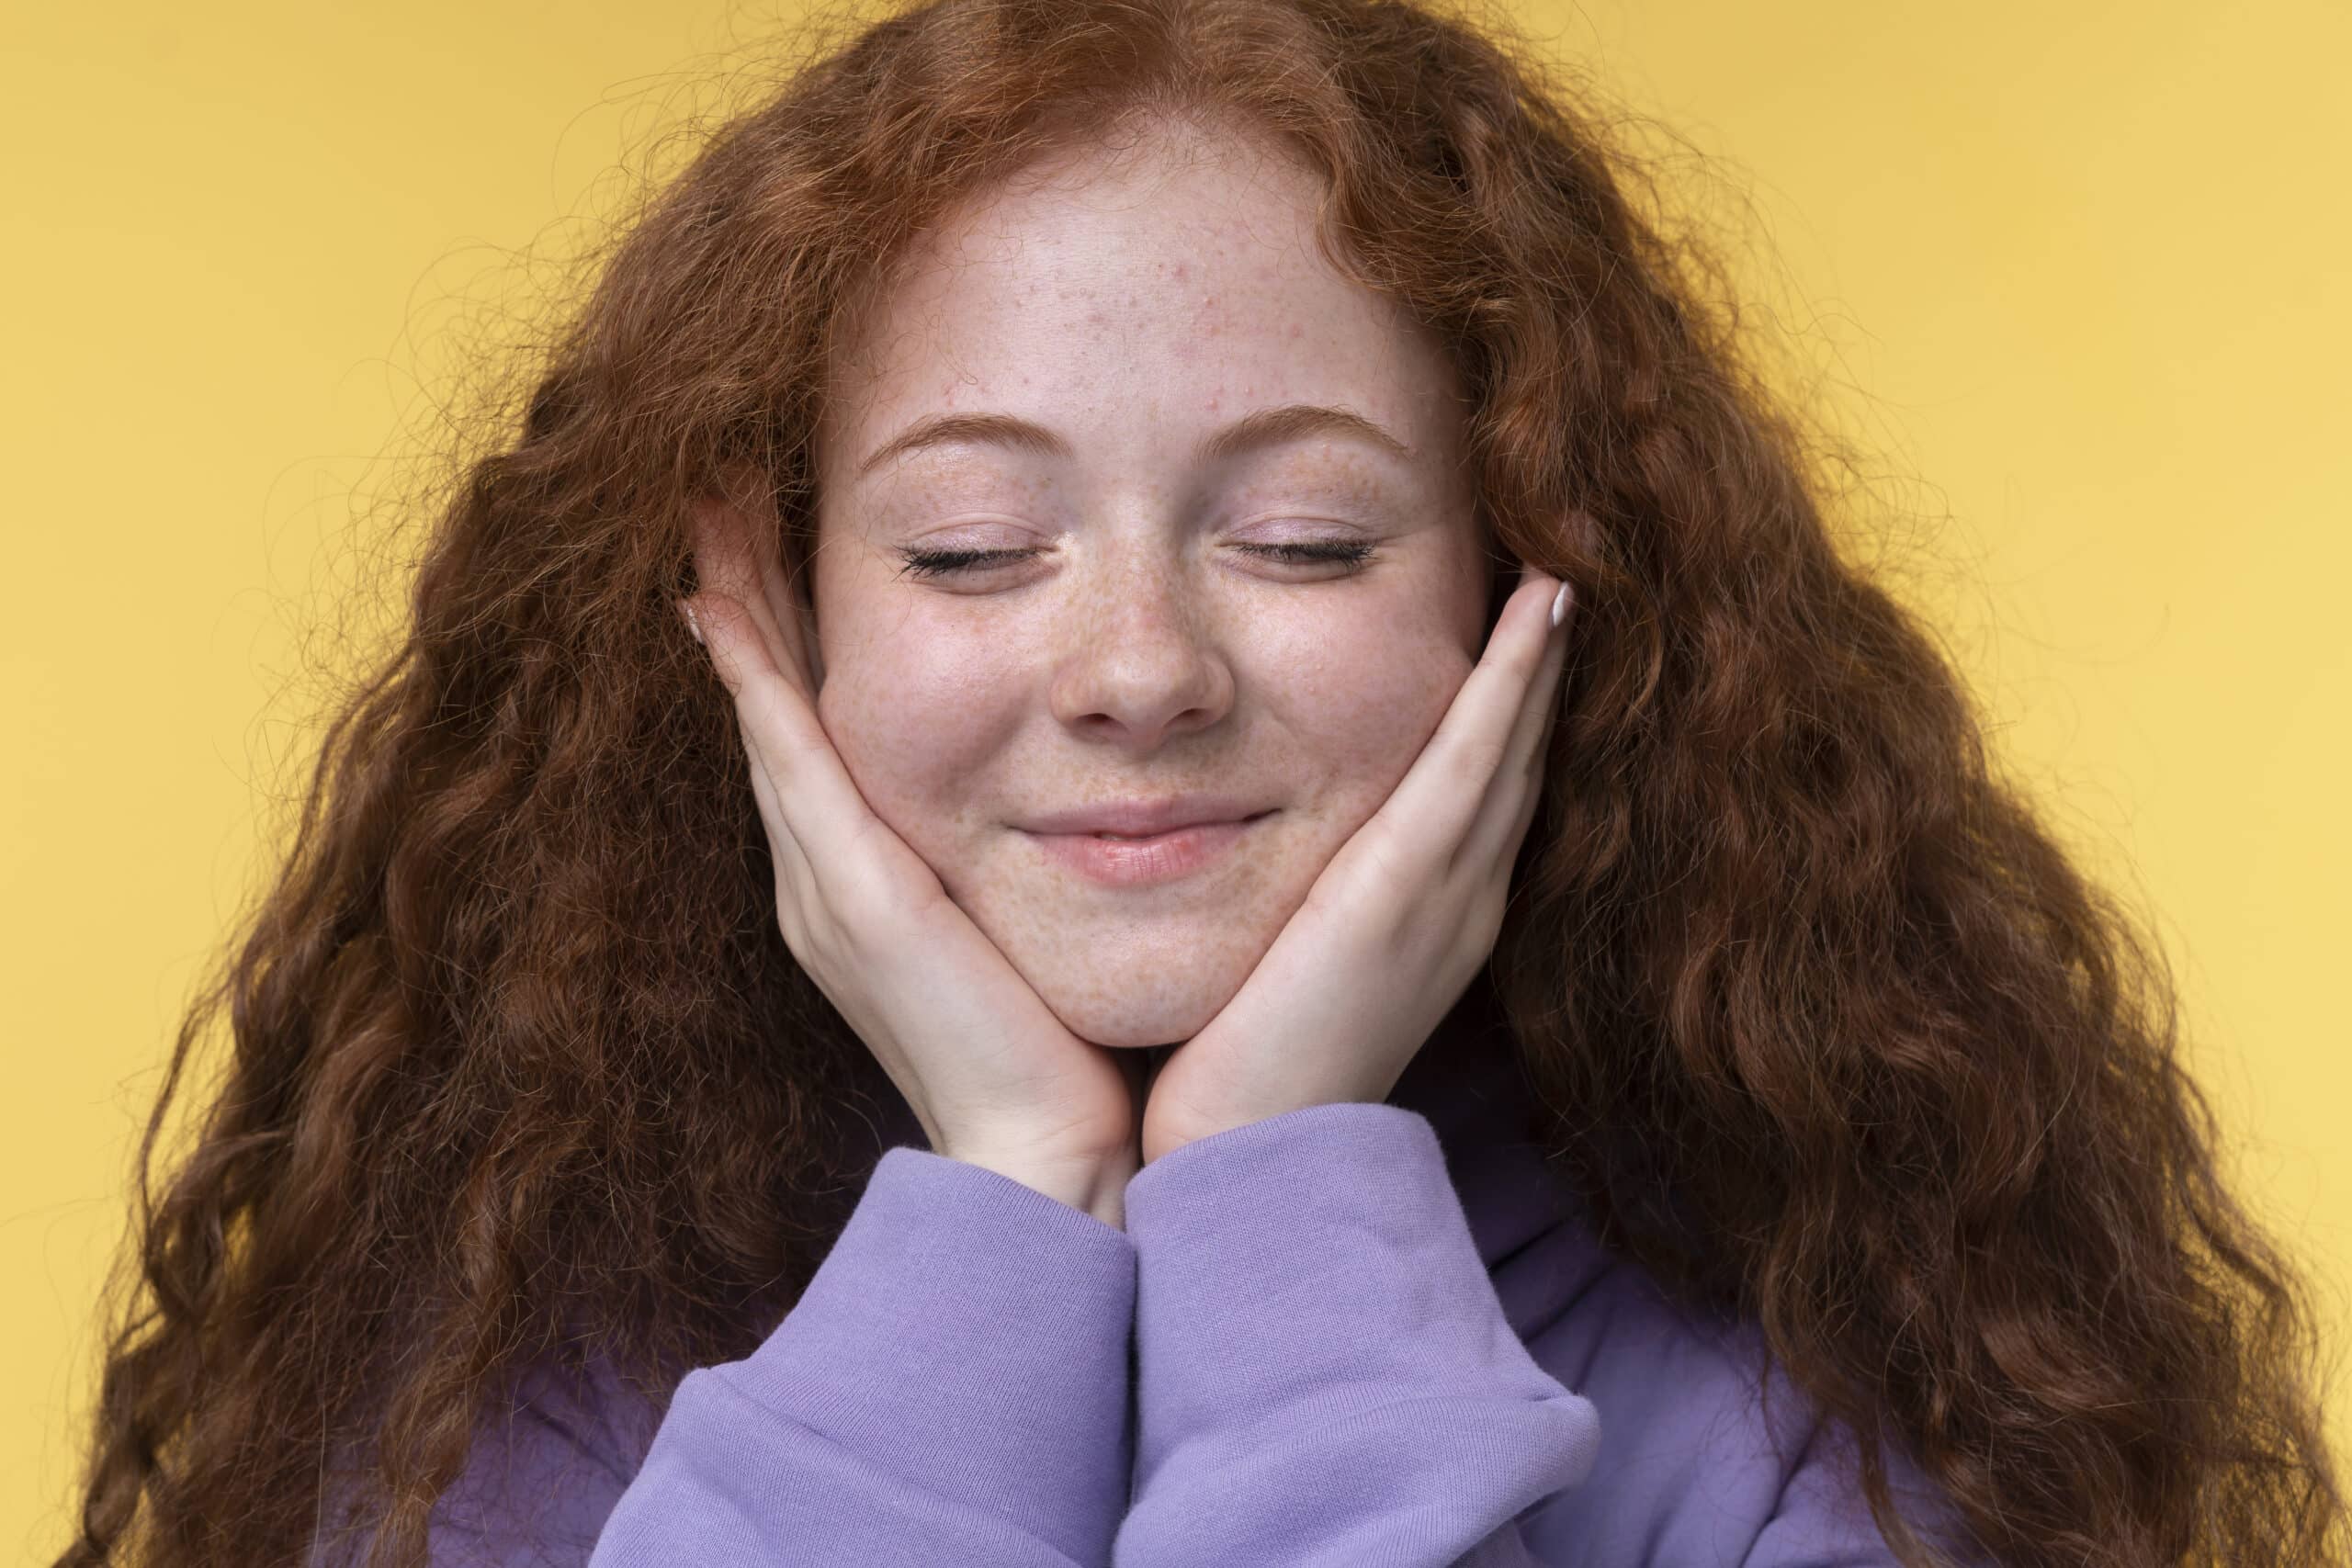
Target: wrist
1093,1185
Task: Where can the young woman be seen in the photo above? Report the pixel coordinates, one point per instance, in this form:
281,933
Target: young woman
1578,1060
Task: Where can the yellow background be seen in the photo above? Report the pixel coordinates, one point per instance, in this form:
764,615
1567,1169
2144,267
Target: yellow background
2075,276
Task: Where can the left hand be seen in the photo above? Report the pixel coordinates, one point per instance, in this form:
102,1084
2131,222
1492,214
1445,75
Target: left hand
1401,920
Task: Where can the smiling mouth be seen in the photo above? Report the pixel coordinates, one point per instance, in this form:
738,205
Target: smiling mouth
1117,862
1154,838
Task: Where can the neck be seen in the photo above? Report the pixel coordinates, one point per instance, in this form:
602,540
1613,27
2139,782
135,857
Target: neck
1466,1078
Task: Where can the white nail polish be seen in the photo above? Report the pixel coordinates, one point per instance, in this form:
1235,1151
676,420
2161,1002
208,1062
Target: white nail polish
1559,603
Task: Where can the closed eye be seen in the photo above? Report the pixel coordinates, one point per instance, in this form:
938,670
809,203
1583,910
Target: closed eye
1337,552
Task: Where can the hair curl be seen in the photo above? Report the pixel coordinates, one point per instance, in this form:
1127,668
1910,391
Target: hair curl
522,1069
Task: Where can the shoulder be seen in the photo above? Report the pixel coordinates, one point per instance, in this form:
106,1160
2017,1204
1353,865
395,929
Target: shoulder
548,1459
1708,1454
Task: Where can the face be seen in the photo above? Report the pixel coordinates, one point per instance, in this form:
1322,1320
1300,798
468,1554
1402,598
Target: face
1280,620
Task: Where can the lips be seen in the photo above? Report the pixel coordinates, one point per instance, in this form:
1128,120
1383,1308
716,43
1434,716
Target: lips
1161,857
1162,838
1147,819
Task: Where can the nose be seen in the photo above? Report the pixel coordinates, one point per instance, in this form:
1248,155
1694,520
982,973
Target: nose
1139,659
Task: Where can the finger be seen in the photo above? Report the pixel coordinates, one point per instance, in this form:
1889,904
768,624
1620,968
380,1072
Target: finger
725,560
813,796
796,878
1509,805
785,607
1439,796
723,635
754,506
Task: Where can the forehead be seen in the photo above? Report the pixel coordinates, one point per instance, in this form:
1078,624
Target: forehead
1173,285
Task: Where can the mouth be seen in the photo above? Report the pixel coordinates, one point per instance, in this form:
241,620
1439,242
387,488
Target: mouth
1155,838
1121,860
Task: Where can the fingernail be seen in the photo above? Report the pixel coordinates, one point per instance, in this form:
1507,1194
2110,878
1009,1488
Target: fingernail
1560,604
694,627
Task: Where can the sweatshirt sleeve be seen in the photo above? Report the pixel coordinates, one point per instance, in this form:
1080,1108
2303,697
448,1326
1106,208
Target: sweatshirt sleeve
1324,1375
951,1387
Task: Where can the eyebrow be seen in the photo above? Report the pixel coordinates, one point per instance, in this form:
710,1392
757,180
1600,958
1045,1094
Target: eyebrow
1259,428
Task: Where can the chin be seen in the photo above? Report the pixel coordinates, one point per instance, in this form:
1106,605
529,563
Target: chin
1137,1007
1123,973
1128,1028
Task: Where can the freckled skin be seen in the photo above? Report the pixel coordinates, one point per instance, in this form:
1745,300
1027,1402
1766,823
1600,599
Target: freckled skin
1134,305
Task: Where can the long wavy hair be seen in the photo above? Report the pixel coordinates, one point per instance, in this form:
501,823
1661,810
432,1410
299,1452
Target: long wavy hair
522,1071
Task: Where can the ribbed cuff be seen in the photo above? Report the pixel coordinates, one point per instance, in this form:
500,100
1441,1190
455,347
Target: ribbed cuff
974,1333
1310,1258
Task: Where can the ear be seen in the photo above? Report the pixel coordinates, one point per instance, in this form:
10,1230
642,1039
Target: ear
744,494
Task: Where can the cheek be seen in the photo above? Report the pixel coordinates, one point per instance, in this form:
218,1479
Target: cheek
1363,693
911,720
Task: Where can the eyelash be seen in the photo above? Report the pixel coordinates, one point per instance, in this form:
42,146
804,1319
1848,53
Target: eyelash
936,563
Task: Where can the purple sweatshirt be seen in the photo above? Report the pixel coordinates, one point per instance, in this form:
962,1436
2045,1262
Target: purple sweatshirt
1354,1334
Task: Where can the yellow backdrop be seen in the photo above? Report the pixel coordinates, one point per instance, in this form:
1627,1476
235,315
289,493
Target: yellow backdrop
2075,276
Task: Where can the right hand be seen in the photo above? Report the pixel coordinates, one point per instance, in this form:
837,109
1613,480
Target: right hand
995,1079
